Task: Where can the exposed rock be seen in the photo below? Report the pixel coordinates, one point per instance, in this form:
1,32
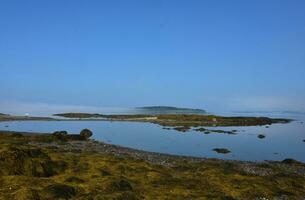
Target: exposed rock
182,128
261,136
60,135
208,131
86,134
201,129
222,150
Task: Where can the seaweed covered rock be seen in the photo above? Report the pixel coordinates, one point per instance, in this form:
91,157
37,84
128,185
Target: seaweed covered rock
58,191
85,134
28,162
60,135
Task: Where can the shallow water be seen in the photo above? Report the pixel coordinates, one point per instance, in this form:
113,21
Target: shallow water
282,140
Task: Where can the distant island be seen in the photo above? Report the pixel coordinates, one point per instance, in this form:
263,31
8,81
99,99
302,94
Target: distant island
182,120
168,110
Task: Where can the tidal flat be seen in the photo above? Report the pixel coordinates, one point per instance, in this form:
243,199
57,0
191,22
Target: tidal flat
45,166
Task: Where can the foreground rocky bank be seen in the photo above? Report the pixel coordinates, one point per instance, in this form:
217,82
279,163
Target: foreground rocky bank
64,166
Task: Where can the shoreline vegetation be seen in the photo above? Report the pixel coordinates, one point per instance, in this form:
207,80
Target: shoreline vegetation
72,166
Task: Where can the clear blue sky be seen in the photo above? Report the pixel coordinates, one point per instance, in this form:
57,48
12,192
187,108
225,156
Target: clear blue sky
213,54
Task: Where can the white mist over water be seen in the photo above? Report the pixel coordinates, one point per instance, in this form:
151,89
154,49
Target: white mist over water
45,110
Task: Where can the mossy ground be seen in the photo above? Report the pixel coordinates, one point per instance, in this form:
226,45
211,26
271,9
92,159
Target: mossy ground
96,175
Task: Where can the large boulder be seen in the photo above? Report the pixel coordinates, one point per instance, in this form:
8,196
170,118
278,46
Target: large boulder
85,134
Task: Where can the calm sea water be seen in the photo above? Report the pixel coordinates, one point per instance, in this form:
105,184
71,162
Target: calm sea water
282,140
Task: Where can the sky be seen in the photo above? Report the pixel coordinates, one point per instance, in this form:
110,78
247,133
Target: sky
212,54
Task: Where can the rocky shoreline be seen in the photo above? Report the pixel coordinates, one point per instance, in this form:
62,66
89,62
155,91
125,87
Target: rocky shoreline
67,166
75,145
